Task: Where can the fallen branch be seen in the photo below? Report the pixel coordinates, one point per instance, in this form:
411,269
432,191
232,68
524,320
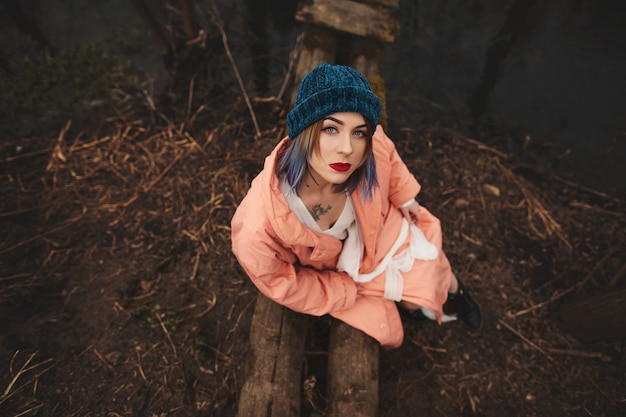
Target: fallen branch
550,225
57,152
218,23
570,352
479,145
167,334
600,264
578,285
11,388
27,155
526,340
62,226
162,174
589,190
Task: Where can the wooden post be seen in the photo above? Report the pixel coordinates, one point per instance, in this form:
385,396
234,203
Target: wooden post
318,45
368,57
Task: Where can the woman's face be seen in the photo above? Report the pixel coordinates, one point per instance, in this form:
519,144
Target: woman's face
341,151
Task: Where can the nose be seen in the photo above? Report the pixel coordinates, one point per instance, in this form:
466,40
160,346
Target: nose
344,145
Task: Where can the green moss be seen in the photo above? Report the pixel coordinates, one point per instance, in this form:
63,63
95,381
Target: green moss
202,356
378,85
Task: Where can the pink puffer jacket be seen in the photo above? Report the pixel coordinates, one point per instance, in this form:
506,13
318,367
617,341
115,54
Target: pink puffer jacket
296,266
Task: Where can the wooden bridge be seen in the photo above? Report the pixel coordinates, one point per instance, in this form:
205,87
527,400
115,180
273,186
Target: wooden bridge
274,381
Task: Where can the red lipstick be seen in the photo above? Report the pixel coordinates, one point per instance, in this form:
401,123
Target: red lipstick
340,166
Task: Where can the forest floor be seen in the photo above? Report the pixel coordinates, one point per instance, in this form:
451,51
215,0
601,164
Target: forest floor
119,295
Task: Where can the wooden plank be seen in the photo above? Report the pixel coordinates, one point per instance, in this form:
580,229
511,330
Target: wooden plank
273,368
360,19
289,361
353,369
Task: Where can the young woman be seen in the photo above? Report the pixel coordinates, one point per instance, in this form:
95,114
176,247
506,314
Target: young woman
331,224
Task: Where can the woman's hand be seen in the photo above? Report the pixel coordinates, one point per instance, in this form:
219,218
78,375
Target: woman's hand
412,212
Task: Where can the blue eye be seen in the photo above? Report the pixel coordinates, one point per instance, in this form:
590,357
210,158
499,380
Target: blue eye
330,129
359,133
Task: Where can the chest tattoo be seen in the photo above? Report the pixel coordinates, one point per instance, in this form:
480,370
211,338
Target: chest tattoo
318,211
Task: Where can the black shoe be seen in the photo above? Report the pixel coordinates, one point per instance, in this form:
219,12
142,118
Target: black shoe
467,307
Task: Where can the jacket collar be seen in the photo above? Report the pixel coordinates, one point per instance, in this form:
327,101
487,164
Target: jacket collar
289,229
283,221
369,215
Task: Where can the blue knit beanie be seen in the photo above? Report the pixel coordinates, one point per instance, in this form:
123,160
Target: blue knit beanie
331,89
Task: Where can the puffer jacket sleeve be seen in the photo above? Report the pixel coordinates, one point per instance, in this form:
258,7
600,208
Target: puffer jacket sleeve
274,269
402,183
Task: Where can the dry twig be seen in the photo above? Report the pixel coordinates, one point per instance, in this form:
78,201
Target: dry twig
218,23
167,333
26,367
551,226
525,339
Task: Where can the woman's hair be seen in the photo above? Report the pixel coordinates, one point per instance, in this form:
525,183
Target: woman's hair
295,162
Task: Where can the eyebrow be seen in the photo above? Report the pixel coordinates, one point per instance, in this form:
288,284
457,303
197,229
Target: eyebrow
342,123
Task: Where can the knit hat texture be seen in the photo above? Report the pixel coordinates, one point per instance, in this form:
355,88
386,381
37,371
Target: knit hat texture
331,89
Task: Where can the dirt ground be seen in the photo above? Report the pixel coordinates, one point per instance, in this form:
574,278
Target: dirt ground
119,295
